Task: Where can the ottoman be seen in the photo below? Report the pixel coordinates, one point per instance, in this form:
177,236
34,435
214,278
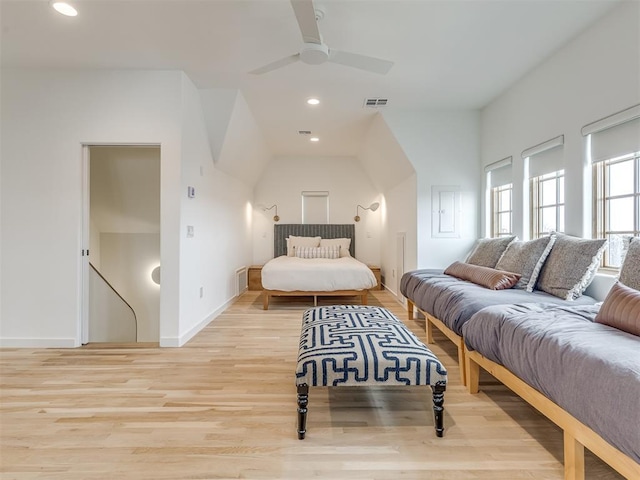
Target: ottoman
357,345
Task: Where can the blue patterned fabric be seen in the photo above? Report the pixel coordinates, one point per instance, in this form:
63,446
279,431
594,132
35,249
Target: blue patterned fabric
362,345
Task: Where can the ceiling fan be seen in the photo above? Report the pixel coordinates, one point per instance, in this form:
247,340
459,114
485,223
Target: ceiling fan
314,51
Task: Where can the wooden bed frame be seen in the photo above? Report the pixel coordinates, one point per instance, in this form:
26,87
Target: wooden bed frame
267,294
280,234
430,322
577,436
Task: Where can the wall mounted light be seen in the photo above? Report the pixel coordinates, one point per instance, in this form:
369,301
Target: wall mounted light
155,275
276,218
373,207
64,8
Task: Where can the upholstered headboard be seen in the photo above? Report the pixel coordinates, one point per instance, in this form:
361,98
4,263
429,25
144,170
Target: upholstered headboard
282,231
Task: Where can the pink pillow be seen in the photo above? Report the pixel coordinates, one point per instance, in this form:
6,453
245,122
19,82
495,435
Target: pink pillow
483,276
621,309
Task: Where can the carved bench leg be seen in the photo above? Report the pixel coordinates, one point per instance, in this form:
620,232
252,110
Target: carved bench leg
303,400
438,406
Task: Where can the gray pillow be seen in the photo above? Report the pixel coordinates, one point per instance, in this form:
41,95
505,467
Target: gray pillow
526,258
630,270
488,251
571,266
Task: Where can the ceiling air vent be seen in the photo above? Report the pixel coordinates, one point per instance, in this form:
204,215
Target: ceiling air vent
304,132
375,102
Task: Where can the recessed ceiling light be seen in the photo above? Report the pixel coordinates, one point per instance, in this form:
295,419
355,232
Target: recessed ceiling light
64,8
313,101
314,139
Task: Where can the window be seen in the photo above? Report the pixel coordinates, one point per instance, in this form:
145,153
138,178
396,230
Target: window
617,203
501,210
547,204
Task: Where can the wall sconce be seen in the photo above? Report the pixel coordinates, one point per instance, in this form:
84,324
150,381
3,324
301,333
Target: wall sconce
373,207
276,218
155,275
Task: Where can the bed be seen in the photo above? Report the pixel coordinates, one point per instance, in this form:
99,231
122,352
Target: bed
448,303
582,375
286,275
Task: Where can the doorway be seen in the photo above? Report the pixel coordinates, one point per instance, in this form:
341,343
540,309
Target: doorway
121,281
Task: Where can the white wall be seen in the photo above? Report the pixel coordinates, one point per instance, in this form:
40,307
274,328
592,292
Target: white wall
443,149
46,117
594,75
219,213
348,185
127,261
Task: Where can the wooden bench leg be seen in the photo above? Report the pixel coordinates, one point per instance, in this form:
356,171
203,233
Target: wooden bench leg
463,362
409,309
265,301
364,297
438,407
472,375
573,458
303,400
429,330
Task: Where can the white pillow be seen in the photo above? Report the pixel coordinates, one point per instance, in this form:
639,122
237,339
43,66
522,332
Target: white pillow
343,243
318,252
293,242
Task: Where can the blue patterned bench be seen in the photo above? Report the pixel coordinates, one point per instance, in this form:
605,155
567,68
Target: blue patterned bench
360,345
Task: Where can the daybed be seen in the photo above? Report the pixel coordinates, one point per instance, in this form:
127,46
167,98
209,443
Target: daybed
315,260
577,364
584,376
555,269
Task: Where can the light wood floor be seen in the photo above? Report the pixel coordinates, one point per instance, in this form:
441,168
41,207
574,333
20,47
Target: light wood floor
224,406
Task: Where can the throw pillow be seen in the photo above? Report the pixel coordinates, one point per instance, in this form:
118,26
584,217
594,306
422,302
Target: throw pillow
630,270
318,252
488,251
571,266
293,242
343,243
621,309
526,258
483,276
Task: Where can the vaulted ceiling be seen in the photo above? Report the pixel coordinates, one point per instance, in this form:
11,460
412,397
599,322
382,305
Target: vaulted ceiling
448,54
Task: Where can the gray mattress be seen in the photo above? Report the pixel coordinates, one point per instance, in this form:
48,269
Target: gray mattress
454,301
590,370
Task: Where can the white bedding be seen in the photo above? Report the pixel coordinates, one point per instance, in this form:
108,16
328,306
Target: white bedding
291,274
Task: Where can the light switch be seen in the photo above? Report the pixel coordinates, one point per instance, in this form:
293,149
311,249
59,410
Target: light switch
189,231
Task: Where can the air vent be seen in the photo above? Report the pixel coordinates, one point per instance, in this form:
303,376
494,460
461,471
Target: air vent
375,102
304,132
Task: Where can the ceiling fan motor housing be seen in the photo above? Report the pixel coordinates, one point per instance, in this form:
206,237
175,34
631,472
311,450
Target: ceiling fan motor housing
314,53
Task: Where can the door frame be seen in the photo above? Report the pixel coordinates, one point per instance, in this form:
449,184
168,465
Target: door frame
86,227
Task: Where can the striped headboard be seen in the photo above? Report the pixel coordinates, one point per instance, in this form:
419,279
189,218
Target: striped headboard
282,231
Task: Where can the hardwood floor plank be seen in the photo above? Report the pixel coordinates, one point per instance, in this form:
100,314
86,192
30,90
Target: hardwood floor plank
224,406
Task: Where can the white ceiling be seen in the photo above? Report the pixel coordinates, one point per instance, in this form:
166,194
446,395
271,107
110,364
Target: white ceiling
450,54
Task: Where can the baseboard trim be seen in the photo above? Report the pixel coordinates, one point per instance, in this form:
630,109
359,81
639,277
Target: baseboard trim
38,343
184,338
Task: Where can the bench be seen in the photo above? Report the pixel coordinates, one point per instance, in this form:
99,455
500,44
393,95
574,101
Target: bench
358,345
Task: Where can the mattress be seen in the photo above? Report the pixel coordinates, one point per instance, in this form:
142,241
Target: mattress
590,370
454,301
290,274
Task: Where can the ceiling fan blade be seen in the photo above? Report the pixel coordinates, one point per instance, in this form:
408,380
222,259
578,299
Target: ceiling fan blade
306,15
275,65
363,62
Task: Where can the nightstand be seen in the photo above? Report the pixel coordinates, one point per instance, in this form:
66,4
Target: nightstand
254,277
376,273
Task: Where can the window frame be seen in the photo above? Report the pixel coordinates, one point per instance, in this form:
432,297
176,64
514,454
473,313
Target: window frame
601,197
495,213
536,206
